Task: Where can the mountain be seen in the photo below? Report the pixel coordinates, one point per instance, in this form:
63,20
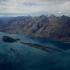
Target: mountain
50,27
6,18
1,21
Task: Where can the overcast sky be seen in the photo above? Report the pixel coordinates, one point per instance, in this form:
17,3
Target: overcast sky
34,7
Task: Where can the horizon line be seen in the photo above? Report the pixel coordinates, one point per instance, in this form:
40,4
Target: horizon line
22,14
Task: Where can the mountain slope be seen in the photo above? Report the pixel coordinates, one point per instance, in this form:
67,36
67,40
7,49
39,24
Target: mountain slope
50,27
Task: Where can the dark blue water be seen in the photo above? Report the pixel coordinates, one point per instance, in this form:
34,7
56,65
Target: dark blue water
24,57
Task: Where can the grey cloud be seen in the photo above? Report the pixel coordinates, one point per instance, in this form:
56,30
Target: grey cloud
31,6
3,0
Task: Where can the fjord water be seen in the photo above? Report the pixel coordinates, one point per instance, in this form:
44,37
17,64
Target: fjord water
24,57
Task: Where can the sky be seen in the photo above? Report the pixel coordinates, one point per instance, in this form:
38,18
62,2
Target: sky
34,7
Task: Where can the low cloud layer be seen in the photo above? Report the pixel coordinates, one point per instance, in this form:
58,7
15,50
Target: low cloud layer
57,7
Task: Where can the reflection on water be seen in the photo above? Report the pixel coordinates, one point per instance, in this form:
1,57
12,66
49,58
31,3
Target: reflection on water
17,56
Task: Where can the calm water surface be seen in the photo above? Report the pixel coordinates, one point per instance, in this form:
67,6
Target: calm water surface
24,57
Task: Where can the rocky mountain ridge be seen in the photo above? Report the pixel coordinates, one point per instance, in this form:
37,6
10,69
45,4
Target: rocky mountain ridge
50,27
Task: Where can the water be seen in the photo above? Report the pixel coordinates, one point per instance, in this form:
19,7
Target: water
24,57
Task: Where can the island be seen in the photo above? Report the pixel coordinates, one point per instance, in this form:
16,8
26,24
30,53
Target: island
41,47
9,39
38,46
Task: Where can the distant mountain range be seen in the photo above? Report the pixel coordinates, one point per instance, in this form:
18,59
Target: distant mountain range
50,27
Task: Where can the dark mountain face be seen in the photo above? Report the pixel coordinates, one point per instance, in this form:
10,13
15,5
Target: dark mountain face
52,27
6,18
1,21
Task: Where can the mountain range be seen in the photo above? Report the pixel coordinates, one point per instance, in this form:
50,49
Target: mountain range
49,27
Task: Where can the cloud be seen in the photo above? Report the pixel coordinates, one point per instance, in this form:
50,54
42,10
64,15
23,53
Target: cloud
60,12
34,6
